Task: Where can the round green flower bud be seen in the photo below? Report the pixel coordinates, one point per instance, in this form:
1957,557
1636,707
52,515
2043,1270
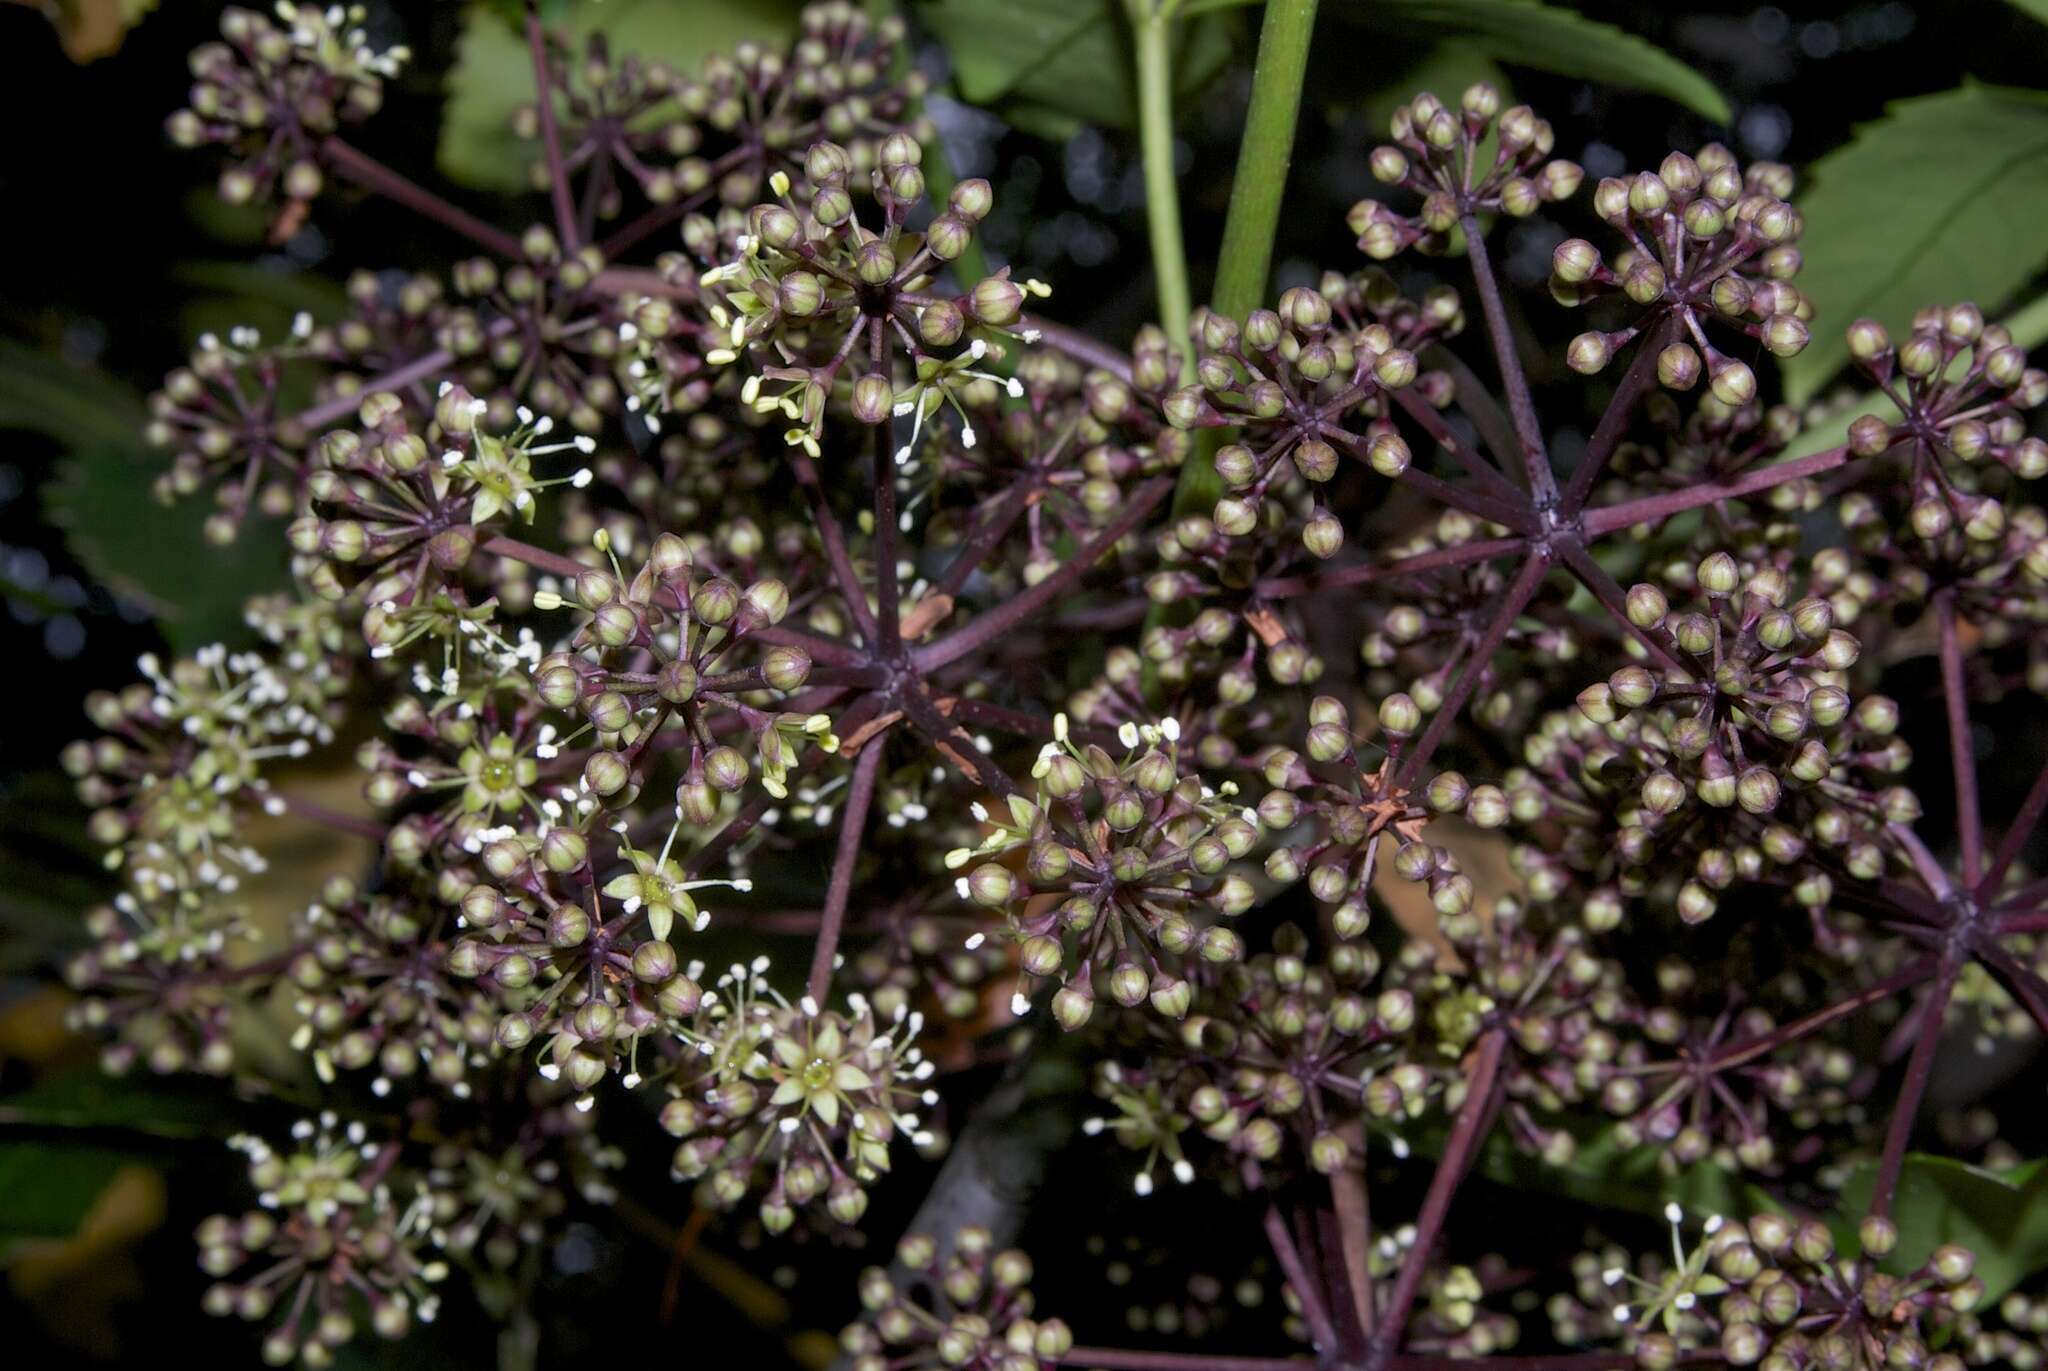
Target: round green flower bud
1388,455
1575,260
1589,353
991,886
1678,367
1733,384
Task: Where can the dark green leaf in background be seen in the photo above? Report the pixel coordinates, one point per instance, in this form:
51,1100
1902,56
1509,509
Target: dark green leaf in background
1526,33
1050,66
47,1188
2002,1216
158,555
493,75
1943,200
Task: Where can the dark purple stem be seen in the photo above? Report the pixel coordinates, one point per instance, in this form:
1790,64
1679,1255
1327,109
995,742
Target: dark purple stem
1918,1070
1321,1333
1749,1049
1482,470
853,821
1962,756
1007,616
1480,506
1117,1359
1513,601
1466,1134
366,171
1614,421
834,543
1079,346
1437,559
2022,827
550,135
352,824
1653,509
888,618
1521,404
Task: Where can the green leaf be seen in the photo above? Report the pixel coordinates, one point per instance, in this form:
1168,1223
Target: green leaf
86,1097
47,1189
76,406
2033,9
158,555
493,73
1603,1173
1945,199
1527,33
1050,66
2002,1216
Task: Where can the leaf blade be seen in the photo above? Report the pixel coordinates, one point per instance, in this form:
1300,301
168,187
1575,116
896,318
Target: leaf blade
1528,33
2002,1216
1944,199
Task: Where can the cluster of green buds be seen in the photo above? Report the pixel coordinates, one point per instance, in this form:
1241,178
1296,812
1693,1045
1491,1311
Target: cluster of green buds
489,768
1299,383
1962,388
846,77
1339,816
1474,159
798,1102
1776,1294
401,508
1422,634
180,765
1694,1076
1737,738
930,956
372,992
219,417
553,329
332,1246
159,982
494,1202
978,1318
815,301
1706,241
1280,1046
679,138
677,641
270,92
1540,980
578,964
1124,872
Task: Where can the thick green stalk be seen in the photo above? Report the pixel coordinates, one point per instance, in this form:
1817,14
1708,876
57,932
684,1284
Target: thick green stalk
1262,159
1254,217
1152,28
1256,194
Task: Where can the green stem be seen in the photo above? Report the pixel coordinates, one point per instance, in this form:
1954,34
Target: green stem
1152,25
1263,157
1256,194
